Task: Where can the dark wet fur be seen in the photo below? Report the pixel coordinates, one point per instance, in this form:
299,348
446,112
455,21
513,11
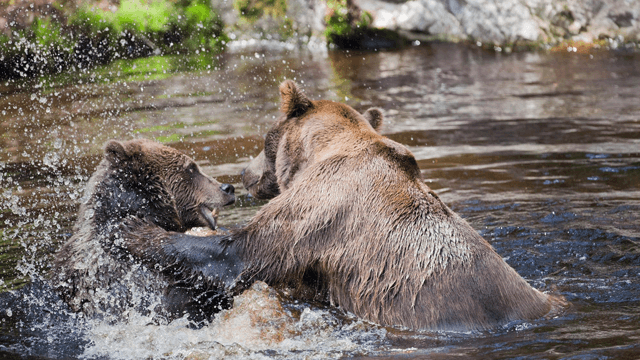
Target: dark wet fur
95,271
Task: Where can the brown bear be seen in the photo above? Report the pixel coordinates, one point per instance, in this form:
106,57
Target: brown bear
351,222
145,180
352,219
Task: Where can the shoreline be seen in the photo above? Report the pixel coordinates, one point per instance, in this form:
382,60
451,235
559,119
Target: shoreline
45,37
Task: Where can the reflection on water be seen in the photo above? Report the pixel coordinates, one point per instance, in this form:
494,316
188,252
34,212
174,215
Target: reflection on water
540,152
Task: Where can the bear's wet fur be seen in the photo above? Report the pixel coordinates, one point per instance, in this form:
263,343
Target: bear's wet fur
352,222
156,184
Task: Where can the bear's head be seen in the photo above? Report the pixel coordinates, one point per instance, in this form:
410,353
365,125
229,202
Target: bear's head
160,184
305,130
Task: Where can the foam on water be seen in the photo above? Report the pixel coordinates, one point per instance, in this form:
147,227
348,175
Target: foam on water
260,325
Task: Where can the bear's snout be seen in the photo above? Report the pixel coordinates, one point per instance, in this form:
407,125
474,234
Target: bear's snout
227,189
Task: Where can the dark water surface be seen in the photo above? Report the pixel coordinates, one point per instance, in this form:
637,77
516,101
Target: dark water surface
539,152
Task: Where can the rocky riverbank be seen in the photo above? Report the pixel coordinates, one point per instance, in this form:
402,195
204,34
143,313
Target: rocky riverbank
49,36
505,23
496,24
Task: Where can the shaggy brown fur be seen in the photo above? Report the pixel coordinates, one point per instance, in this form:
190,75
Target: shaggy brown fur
139,179
355,223
351,222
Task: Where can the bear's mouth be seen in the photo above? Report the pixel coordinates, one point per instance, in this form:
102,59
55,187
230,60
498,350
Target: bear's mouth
210,216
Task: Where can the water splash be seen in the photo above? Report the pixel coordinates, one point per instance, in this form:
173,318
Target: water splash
259,325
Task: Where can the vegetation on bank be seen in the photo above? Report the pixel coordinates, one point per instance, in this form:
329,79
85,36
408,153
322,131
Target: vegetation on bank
351,29
91,36
346,26
68,37
260,15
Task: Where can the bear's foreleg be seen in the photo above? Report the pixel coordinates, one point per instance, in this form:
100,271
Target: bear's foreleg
183,258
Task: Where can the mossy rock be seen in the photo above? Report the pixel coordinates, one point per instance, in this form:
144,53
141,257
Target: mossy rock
348,28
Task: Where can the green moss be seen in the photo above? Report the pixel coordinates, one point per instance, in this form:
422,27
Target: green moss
169,139
348,29
171,136
49,35
338,19
197,14
151,18
286,30
273,11
93,36
94,21
134,15
150,68
255,9
198,28
140,69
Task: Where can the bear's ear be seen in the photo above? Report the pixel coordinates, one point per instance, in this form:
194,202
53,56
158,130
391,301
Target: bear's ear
293,102
115,152
374,117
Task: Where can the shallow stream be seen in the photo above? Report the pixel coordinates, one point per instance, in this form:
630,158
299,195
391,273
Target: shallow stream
540,152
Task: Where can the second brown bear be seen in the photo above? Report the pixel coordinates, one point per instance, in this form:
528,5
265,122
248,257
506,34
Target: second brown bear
96,272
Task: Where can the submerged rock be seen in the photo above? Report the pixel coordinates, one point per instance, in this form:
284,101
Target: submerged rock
257,316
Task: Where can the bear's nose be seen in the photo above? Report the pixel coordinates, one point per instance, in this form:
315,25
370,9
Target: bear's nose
227,188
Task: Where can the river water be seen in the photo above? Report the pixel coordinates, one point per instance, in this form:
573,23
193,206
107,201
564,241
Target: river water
540,152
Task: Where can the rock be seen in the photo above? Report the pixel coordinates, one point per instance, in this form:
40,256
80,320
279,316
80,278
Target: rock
502,22
307,16
225,8
498,22
422,16
488,21
257,317
297,18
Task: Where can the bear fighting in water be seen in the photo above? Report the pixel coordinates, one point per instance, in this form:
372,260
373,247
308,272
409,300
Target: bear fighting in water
145,180
352,223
